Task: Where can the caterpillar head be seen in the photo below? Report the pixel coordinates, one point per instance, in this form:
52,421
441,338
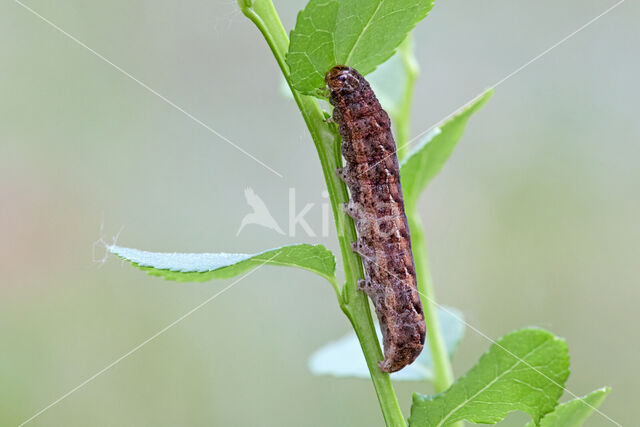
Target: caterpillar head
342,79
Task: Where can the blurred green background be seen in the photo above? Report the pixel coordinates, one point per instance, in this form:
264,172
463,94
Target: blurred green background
534,221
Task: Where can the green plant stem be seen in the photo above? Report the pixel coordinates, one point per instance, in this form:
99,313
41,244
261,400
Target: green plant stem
403,117
442,371
353,303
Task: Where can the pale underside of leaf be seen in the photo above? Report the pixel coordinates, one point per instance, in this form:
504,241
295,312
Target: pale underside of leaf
198,267
343,358
524,371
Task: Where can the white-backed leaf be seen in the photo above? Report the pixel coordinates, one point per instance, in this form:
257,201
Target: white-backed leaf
344,358
199,267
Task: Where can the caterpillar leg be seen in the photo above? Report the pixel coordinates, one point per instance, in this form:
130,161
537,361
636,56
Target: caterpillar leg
361,249
342,174
352,209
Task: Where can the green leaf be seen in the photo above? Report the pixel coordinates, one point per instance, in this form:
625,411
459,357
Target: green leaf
359,33
575,412
343,358
388,82
190,267
424,162
524,371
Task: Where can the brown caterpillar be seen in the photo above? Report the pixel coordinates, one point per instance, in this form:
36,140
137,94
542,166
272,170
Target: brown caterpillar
377,207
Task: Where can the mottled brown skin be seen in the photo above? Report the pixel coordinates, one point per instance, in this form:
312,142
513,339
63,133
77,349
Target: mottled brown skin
377,207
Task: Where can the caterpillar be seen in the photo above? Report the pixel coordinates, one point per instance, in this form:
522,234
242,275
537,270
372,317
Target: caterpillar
372,175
